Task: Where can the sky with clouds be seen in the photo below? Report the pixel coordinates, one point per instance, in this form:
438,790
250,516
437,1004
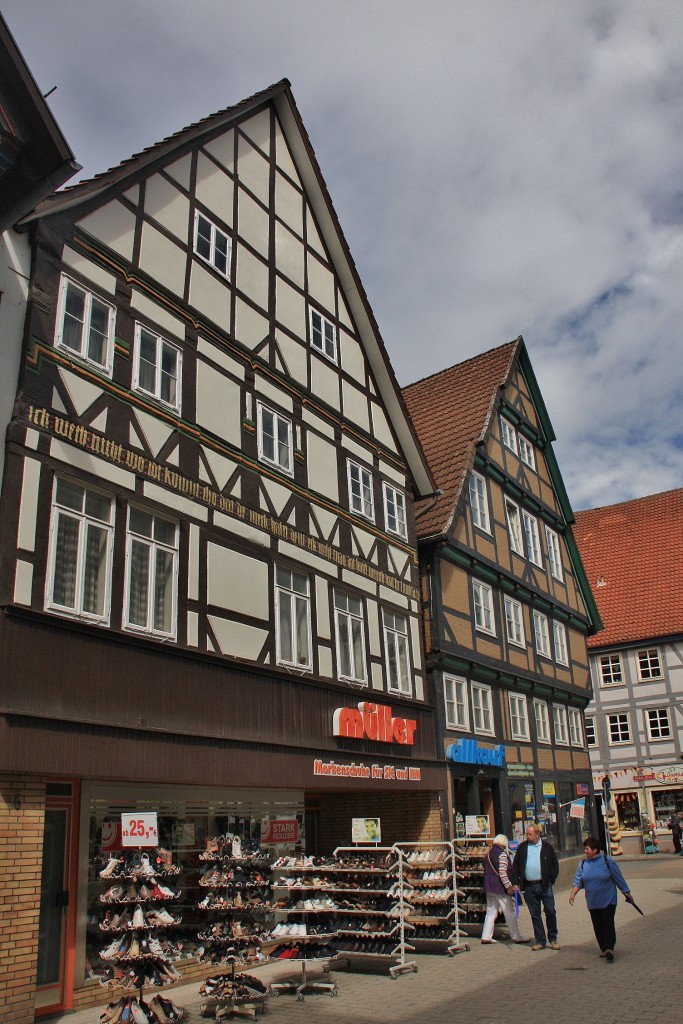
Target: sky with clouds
499,168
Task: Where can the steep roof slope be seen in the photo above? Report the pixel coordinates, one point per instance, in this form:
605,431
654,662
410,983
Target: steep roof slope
633,555
451,411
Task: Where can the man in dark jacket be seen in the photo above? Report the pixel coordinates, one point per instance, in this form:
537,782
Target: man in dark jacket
534,871
674,823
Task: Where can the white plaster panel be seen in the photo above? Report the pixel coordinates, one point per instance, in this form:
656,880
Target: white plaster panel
283,157
133,195
356,450
114,225
252,278
237,581
296,358
392,472
162,259
100,422
251,327
352,357
81,392
316,422
325,382
238,528
414,626
320,283
174,502
223,149
399,559
321,458
289,204
312,235
210,295
215,410
253,223
193,563
141,303
325,662
374,631
278,495
26,535
364,541
168,205
289,254
290,309
23,582
253,170
107,473
378,677
221,467
258,129
304,557
181,171
359,582
380,427
237,640
192,629
157,432
32,439
355,405
217,354
322,604
392,597
214,189
104,281
272,393
419,688
326,520
344,315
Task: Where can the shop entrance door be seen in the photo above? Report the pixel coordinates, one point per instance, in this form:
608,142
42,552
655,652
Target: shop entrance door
54,979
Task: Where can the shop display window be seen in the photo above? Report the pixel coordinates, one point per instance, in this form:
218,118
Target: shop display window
574,830
665,802
628,809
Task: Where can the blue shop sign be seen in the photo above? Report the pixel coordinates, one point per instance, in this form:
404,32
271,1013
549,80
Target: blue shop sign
469,752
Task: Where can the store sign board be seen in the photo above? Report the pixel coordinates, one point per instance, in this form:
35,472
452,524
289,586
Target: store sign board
139,829
626,778
577,809
520,770
111,836
469,752
373,722
279,830
582,789
360,770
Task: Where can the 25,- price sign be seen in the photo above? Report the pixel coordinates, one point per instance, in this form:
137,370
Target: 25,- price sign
139,829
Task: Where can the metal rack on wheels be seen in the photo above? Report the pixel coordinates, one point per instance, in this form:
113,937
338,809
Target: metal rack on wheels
432,880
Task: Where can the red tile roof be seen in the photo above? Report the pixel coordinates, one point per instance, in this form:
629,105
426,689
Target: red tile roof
633,556
451,411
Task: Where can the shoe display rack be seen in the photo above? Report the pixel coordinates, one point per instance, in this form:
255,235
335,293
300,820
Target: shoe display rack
139,912
469,857
236,883
368,885
432,891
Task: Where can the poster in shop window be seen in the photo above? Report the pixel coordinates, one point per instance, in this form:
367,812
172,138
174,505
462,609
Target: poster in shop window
366,830
477,825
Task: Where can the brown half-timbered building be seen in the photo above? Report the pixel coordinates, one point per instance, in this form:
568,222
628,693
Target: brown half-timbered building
209,585
507,605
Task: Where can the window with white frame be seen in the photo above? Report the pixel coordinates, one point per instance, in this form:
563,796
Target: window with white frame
560,724
533,544
519,719
483,607
514,523
482,712
619,728
610,669
514,622
157,367
526,452
508,434
658,723
395,511
293,618
151,574
560,643
350,629
361,499
575,727
323,335
455,700
212,245
542,721
649,665
554,554
275,439
591,738
479,502
85,325
541,634
79,560
396,649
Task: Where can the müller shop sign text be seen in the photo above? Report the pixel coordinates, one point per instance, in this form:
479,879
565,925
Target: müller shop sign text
358,770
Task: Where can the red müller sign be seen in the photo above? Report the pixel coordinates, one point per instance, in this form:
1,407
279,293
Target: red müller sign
373,722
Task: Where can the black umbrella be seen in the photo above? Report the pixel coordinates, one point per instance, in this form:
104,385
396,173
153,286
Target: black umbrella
630,899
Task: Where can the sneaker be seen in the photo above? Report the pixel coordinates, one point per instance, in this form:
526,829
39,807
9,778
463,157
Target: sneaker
609,955
535,949
556,945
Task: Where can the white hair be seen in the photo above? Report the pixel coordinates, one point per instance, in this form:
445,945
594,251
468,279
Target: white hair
500,840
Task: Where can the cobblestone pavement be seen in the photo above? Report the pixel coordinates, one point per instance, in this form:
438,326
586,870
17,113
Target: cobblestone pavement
501,983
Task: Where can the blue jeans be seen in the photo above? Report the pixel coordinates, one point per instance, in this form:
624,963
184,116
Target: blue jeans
538,895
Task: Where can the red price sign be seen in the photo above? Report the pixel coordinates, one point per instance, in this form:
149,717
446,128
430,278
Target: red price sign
139,829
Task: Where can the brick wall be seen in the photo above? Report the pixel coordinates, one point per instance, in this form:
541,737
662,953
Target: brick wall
21,856
405,817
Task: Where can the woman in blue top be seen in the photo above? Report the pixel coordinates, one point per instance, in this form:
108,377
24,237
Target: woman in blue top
599,876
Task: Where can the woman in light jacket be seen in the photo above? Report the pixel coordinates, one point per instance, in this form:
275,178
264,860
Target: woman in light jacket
599,876
498,889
